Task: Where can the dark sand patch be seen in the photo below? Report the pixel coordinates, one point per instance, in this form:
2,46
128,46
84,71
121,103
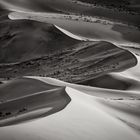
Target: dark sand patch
22,87
83,62
132,35
26,99
41,39
110,82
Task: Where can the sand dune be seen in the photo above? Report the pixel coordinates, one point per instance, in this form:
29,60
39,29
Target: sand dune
39,40
133,73
98,92
32,99
72,60
123,105
95,117
72,76
81,62
92,28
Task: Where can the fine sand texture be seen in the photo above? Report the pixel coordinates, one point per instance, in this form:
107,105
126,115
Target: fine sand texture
101,118
72,60
83,61
69,70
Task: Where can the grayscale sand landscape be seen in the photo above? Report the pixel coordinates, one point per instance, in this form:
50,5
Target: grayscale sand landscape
69,70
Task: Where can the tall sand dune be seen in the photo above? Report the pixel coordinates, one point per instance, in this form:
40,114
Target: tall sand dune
89,27
81,62
84,118
41,39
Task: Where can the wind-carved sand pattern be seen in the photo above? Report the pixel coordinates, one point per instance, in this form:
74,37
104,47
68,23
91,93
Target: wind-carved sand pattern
69,70
88,28
85,107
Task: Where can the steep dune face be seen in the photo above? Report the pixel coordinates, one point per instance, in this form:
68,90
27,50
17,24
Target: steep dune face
23,40
32,99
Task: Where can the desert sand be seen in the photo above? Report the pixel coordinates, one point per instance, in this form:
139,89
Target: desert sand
69,70
85,117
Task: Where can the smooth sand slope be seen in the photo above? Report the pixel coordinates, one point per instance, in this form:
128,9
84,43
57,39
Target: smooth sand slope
84,118
123,105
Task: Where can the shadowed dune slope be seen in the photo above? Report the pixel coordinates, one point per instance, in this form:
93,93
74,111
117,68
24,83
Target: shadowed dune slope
81,62
111,82
39,49
8,91
32,99
23,40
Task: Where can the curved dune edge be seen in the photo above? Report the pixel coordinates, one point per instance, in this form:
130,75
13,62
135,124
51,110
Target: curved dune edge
78,61
104,113
86,108
100,92
32,99
100,33
122,105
